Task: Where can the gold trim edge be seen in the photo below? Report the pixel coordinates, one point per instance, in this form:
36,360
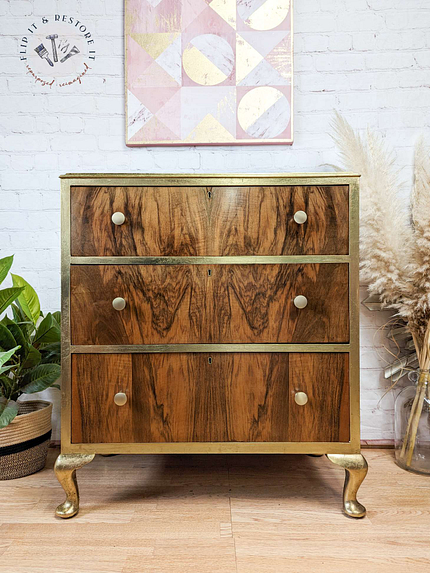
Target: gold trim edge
321,174
210,260
215,448
190,348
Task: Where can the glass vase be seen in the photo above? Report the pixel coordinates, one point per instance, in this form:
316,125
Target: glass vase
412,424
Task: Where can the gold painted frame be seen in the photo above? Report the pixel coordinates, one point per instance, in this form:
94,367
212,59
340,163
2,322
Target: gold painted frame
143,180
179,143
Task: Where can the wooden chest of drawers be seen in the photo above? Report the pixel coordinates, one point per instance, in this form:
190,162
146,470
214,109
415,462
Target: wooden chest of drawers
210,314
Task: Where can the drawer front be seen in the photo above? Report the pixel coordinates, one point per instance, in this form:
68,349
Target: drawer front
215,221
203,397
167,304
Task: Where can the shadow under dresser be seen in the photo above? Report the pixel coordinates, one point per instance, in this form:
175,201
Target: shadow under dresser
210,314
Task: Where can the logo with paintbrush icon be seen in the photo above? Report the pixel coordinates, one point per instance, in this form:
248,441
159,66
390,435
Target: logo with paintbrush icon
43,53
58,50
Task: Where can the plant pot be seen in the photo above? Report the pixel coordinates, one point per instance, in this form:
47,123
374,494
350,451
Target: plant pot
25,441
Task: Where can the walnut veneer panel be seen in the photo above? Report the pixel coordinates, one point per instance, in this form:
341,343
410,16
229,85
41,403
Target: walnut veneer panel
209,304
325,379
95,381
169,221
208,398
260,220
215,221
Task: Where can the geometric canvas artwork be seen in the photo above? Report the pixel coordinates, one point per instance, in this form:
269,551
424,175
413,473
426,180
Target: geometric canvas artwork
208,72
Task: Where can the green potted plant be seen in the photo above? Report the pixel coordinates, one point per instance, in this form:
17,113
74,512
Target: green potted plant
29,362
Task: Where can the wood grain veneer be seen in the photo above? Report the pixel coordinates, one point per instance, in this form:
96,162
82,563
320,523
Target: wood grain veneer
324,378
101,377
213,221
209,304
210,397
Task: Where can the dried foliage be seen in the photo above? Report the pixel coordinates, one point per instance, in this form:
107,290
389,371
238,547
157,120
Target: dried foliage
395,246
394,249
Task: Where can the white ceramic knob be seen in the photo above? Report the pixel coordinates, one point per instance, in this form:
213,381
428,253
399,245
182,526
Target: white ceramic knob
118,218
120,399
301,398
300,217
300,301
118,303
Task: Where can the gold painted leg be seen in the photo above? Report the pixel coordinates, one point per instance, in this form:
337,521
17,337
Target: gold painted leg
65,470
355,467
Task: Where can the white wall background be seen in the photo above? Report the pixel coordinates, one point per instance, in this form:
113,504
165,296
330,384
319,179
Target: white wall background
368,59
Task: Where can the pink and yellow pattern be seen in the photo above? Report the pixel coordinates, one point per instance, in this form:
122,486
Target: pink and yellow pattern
208,72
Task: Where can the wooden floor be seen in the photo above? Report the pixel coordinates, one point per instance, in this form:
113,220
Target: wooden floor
217,514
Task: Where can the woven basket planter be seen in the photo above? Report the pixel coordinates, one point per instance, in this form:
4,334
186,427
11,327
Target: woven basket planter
24,442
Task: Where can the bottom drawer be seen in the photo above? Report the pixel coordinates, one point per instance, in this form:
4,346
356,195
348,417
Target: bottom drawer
219,397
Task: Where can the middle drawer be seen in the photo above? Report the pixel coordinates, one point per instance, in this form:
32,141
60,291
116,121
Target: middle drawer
220,304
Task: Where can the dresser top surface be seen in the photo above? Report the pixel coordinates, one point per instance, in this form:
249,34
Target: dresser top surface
321,175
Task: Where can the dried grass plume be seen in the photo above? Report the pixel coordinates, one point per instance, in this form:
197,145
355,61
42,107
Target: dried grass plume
394,251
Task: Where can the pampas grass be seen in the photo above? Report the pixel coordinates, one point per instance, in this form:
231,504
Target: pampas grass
394,243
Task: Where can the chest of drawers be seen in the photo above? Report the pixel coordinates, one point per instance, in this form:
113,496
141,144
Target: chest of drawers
210,314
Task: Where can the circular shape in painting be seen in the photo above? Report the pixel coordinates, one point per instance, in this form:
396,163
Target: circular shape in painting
264,113
208,59
263,16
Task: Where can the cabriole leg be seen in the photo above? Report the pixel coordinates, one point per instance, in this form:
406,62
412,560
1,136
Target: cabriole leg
65,470
355,467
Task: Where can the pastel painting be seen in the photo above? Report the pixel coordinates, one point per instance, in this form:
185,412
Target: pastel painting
208,72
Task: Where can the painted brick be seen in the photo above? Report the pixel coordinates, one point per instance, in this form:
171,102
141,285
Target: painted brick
93,8
339,42
44,7
389,61
26,142
21,8
22,162
71,124
72,142
338,62
47,124
17,124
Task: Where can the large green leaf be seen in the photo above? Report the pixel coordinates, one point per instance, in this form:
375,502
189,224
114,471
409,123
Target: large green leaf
5,385
57,316
5,265
4,369
19,338
40,378
8,411
5,356
7,341
28,298
48,331
8,295
51,353
33,358
18,315
27,328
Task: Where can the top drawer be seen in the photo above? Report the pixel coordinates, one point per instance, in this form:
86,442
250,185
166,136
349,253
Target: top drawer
211,221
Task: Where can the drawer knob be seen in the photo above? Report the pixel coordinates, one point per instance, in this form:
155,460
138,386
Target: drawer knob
301,398
300,217
118,218
120,399
300,301
118,303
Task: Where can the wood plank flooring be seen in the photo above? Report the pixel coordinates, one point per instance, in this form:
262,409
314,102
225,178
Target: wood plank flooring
213,514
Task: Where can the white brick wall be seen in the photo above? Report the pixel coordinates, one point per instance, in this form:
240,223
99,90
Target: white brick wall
369,59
